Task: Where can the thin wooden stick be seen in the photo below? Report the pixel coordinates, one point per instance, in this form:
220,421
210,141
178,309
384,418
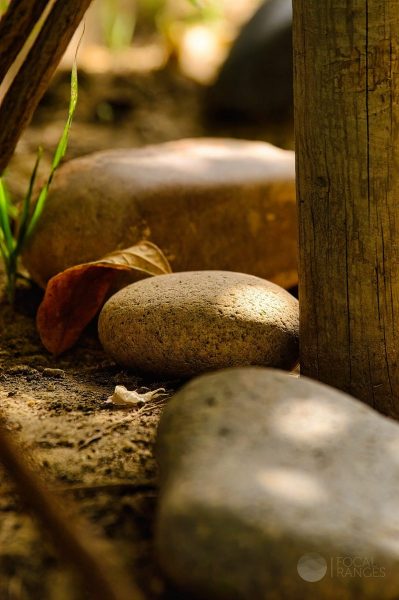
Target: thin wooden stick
15,27
72,538
35,74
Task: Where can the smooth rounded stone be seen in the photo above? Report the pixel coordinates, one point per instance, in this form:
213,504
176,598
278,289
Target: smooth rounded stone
256,81
186,323
207,203
277,487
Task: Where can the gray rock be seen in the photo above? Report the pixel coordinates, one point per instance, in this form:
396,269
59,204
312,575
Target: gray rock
276,487
186,323
256,81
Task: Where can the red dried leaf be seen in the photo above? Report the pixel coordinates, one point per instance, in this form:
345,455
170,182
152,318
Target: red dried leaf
75,296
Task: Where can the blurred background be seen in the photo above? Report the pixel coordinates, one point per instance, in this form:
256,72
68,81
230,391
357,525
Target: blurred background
144,35
157,70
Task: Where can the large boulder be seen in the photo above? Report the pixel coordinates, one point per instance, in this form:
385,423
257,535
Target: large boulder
208,204
277,487
185,323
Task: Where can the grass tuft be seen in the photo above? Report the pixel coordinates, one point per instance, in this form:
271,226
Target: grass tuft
18,224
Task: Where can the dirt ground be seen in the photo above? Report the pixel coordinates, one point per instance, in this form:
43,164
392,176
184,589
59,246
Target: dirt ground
99,458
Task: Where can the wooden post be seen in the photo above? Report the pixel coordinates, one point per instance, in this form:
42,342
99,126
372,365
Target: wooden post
346,63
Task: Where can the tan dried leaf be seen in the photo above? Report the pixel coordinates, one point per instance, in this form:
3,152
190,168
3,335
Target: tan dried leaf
73,297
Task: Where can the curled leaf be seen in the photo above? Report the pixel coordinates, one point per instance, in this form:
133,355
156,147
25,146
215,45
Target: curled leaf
73,297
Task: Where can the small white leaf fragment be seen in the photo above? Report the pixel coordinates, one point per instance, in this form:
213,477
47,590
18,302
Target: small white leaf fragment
124,397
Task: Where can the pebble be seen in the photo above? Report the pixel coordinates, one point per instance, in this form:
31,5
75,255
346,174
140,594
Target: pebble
53,373
182,324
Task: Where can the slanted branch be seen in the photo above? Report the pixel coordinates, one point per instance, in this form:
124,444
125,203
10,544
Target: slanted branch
33,78
15,28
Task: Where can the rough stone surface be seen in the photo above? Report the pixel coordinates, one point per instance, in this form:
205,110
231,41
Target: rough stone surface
185,323
259,470
207,203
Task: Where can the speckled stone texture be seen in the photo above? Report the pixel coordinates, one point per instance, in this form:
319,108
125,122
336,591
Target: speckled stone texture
259,470
207,203
186,323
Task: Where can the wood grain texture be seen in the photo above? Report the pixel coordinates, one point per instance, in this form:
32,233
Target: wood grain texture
15,27
35,74
346,56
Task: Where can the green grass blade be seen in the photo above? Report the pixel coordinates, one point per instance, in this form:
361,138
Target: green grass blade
3,249
63,143
5,224
37,210
58,155
25,213
11,208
